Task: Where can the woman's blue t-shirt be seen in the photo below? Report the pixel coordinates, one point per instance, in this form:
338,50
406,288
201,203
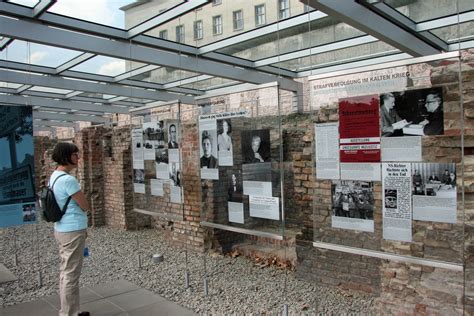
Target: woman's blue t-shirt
75,218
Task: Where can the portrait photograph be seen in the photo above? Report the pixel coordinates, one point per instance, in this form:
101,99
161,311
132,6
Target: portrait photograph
173,135
208,149
256,146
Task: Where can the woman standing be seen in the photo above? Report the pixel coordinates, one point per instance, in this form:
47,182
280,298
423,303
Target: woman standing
71,231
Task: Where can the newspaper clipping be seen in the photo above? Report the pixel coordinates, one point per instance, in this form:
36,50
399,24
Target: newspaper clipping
327,150
396,188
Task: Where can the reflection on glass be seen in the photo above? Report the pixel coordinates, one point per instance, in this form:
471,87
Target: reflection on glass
451,33
425,10
212,83
50,90
28,3
107,66
103,12
39,54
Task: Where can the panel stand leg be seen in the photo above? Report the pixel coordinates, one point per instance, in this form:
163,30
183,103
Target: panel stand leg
186,279
285,310
15,254
40,276
206,284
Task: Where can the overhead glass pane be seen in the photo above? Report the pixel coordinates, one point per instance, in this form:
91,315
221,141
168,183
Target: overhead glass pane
212,83
50,90
220,20
27,3
137,12
9,85
98,11
318,32
451,33
423,10
107,66
41,55
340,56
164,75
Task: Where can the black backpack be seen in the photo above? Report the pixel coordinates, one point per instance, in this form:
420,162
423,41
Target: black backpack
51,210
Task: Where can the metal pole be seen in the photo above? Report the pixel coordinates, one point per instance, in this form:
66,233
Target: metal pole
206,284
40,277
15,254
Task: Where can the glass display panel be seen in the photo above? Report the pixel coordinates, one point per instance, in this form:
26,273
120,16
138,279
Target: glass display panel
156,138
240,162
424,107
51,90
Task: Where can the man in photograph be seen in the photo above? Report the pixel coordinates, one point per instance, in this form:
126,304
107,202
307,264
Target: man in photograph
235,189
433,123
255,155
172,143
207,159
392,124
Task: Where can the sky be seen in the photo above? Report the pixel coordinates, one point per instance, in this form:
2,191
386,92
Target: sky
99,11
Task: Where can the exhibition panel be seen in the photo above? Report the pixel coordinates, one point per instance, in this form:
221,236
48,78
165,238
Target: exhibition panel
156,137
240,162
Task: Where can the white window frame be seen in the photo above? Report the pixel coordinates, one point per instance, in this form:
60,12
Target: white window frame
283,9
217,27
260,17
238,23
181,35
198,30
163,34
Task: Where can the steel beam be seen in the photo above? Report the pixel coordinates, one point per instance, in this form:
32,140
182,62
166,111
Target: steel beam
42,6
69,117
53,123
74,62
373,24
4,42
38,33
166,16
62,104
70,84
135,72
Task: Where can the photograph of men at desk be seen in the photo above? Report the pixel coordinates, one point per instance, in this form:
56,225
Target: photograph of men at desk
415,112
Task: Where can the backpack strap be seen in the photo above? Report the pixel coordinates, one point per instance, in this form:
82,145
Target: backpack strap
68,199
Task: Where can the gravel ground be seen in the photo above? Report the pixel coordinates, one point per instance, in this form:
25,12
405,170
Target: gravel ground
236,285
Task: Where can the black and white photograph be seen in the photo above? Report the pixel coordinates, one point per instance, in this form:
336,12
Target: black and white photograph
137,148
29,212
161,155
235,189
208,150
139,181
353,205
256,146
161,163
173,136
434,192
208,159
390,199
224,142
413,112
175,174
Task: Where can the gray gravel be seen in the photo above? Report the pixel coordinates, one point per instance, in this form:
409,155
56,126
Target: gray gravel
236,285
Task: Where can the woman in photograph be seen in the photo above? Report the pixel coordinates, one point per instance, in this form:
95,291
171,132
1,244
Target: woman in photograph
224,142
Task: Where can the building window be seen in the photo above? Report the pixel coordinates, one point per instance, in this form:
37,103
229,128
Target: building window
217,24
164,34
260,15
216,2
180,33
283,9
198,30
238,17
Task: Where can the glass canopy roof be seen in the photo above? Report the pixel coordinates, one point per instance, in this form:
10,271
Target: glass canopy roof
133,52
